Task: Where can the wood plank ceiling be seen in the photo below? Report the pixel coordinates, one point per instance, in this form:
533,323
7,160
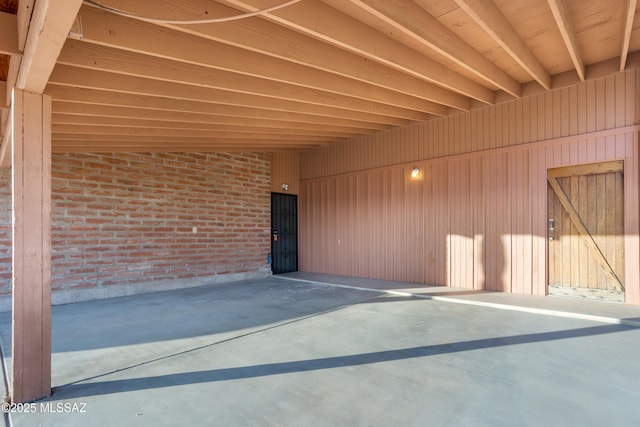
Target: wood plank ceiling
312,72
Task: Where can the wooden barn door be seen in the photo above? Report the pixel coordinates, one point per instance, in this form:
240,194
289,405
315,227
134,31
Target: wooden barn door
586,231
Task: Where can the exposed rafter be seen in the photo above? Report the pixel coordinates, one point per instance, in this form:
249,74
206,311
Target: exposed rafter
407,17
61,146
25,11
102,142
41,35
9,34
3,88
100,97
266,46
128,122
559,10
165,55
244,117
629,14
311,72
111,133
48,31
298,100
332,26
490,18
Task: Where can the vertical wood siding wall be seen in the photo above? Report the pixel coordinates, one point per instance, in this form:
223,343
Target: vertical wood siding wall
476,215
596,105
285,169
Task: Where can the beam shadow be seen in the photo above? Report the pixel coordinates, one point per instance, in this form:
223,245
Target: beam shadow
79,390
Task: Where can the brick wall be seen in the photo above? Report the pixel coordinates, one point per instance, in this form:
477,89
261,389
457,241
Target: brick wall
123,219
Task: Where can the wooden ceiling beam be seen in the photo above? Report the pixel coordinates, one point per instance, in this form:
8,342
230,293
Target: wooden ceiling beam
215,131
62,147
48,30
193,62
42,30
9,35
5,144
629,14
177,143
255,38
72,119
91,96
3,104
23,15
5,122
5,126
408,18
109,133
332,26
486,14
563,21
299,100
247,125
248,116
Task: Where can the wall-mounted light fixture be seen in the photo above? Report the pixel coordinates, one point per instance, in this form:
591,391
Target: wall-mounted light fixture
285,187
415,172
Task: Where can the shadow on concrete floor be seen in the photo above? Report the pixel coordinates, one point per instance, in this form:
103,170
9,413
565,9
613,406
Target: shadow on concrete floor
281,352
133,384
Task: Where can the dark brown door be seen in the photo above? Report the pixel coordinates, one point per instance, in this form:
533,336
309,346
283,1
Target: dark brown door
586,231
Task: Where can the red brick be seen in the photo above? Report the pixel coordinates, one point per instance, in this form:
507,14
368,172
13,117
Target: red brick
129,217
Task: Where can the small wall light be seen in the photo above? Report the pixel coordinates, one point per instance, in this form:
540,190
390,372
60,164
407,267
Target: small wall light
285,187
415,172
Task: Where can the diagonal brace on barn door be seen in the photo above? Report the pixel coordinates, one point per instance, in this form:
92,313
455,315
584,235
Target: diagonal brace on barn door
582,229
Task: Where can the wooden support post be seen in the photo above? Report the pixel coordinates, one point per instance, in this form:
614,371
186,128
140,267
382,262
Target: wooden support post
31,263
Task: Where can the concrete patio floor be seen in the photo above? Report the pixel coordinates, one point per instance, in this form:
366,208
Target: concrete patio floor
314,350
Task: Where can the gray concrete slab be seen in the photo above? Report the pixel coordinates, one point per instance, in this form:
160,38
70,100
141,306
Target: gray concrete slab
607,311
279,352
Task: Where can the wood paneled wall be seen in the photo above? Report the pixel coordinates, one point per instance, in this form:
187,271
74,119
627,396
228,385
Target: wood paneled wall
605,103
285,169
476,216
